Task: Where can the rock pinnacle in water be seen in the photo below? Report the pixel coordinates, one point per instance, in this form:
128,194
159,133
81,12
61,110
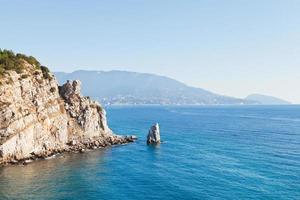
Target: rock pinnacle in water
153,136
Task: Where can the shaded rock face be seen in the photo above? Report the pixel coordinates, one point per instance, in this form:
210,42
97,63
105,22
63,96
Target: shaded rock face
39,118
153,136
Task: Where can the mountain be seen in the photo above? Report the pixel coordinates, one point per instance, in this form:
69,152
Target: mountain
122,87
266,100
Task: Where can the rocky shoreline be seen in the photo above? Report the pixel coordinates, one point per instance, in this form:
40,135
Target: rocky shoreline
74,147
39,118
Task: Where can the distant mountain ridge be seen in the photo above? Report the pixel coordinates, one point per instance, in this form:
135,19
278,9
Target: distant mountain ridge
123,87
267,100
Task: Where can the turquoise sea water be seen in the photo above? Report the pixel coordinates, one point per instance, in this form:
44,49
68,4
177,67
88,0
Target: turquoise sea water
208,153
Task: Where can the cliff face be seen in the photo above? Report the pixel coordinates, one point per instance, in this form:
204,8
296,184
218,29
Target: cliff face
38,118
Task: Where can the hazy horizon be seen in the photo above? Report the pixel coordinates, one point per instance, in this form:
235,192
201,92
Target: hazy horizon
232,48
86,70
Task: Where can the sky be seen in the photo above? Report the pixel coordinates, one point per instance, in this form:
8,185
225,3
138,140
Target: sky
232,47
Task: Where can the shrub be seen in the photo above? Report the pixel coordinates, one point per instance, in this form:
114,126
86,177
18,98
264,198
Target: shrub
9,61
24,76
2,70
37,73
15,62
9,81
52,89
30,59
46,73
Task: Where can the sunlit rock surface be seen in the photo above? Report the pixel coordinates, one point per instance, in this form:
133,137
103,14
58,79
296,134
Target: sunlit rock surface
38,118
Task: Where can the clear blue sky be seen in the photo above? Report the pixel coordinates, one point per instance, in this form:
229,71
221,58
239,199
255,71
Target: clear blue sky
229,47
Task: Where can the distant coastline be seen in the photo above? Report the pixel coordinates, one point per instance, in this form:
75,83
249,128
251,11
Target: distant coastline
132,88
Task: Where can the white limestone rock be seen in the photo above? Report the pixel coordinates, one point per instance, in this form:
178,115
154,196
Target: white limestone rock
39,118
153,136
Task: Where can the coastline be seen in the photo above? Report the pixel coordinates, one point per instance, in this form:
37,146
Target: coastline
74,147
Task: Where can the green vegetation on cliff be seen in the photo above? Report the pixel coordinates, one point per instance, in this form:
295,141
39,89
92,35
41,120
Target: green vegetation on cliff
15,62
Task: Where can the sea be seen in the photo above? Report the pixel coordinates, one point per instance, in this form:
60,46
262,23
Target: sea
207,152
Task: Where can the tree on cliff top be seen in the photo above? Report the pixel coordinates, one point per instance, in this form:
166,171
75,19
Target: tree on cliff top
11,61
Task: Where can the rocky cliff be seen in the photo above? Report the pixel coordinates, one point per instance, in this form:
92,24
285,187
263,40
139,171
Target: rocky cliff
38,118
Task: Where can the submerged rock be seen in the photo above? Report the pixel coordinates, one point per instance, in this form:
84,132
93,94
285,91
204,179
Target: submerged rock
153,135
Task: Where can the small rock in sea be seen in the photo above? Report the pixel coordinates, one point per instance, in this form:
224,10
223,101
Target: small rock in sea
96,143
153,136
14,161
133,137
82,150
73,142
130,138
28,161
